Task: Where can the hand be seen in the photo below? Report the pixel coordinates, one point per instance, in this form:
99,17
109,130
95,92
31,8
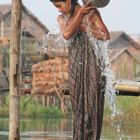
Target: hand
87,8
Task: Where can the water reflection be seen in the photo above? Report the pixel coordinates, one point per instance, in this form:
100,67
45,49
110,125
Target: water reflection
61,129
46,125
50,129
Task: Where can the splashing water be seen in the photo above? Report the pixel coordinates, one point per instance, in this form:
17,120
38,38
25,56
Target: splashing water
102,53
55,40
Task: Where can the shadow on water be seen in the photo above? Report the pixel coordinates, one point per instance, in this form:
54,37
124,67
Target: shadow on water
61,129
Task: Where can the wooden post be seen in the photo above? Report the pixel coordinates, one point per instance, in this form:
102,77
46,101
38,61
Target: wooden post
14,122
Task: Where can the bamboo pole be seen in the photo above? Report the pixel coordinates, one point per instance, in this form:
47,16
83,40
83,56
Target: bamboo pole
14,123
128,86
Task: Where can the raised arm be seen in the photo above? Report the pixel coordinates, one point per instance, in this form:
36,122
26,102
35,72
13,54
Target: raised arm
99,29
71,26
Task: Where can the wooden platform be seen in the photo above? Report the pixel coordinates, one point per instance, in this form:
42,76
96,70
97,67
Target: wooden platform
123,88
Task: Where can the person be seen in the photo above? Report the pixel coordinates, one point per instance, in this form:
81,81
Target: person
85,30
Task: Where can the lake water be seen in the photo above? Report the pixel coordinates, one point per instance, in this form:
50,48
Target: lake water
61,129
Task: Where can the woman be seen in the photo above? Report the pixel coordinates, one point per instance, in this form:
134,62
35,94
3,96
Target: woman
84,28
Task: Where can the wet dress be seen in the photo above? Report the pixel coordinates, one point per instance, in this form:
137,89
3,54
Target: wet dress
89,77
86,86
87,81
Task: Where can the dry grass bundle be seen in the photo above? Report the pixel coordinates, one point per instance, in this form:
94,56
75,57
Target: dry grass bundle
49,76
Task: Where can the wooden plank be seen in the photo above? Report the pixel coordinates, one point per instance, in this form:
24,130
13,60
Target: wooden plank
26,91
27,80
127,87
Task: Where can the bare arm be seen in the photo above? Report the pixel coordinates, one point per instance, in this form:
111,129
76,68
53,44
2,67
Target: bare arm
99,29
69,28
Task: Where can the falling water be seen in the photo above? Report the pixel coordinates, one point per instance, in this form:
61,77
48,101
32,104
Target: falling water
102,53
55,40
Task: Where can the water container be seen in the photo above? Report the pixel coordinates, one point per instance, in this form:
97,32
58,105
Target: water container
98,3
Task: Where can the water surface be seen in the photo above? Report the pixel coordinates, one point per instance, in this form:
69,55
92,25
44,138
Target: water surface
61,129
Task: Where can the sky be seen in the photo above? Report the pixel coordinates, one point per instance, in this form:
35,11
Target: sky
119,15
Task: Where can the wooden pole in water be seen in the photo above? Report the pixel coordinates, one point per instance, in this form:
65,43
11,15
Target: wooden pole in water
14,123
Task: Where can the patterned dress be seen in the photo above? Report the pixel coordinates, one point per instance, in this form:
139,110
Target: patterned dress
87,88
